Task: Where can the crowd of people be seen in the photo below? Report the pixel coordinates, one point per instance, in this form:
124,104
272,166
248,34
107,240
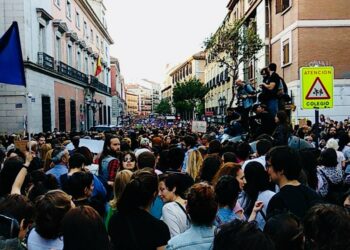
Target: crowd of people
170,188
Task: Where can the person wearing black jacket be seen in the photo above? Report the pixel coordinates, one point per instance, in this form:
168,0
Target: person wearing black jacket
283,129
270,89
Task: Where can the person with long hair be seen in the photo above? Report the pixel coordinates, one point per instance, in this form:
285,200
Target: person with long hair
109,162
283,129
83,229
256,189
129,162
121,180
133,227
195,161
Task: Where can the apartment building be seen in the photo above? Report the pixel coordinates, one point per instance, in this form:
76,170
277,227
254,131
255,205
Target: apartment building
61,43
118,91
193,67
296,34
132,101
144,97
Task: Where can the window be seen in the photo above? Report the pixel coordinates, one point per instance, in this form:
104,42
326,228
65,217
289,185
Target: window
85,31
69,9
79,61
97,41
69,54
92,36
102,51
73,116
86,65
77,19
42,40
58,3
62,114
58,48
286,52
46,113
282,5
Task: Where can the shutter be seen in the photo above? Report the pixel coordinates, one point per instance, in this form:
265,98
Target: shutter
62,114
46,113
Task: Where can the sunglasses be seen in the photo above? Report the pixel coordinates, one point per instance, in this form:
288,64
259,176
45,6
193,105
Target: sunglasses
128,159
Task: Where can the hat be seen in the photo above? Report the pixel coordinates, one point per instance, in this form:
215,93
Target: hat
144,142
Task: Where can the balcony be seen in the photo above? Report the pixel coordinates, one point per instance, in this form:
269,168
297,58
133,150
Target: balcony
94,82
46,61
67,70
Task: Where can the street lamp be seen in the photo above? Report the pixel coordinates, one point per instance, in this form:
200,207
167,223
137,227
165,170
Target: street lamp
122,117
220,104
93,105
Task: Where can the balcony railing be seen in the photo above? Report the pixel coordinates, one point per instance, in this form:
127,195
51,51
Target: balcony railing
94,82
46,61
72,72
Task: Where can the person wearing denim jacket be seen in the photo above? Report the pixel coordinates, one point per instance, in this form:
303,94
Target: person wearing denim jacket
202,208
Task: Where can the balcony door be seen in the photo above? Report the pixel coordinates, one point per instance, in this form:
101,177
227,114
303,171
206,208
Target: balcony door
46,113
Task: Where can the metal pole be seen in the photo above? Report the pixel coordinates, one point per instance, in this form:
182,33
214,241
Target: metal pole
317,125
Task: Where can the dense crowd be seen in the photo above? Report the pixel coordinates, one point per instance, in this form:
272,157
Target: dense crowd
170,188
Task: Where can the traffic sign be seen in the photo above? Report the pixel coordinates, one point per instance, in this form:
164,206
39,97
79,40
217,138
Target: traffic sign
317,87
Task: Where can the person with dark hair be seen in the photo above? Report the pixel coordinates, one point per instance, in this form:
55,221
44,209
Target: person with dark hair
309,164
176,158
286,231
284,167
241,235
262,147
283,129
77,163
257,188
83,229
75,142
16,216
263,122
109,162
226,195
243,151
330,177
50,210
41,183
270,89
202,208
146,160
171,191
8,174
129,162
214,147
211,165
327,226
60,158
133,227
190,145
229,157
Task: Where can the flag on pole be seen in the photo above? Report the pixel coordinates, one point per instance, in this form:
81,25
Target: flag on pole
98,66
11,61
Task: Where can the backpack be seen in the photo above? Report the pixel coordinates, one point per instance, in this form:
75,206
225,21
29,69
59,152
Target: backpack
282,91
335,191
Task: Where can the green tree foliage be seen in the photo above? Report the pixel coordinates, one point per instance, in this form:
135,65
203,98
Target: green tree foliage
234,44
163,107
187,95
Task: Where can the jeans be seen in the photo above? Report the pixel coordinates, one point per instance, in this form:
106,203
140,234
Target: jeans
272,106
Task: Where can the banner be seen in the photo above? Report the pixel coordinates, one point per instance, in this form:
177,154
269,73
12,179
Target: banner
11,61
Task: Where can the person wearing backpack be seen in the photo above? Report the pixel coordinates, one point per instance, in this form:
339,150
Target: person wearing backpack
245,100
270,89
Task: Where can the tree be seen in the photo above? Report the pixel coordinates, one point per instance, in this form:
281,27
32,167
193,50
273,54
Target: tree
233,44
188,95
163,107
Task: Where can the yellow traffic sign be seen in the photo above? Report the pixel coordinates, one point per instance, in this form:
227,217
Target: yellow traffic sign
316,87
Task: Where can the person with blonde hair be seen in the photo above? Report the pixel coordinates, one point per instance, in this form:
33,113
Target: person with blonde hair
44,151
121,180
195,161
47,165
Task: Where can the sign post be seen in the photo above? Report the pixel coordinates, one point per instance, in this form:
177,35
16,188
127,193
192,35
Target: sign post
317,89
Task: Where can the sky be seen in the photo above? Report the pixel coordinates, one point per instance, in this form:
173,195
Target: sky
149,34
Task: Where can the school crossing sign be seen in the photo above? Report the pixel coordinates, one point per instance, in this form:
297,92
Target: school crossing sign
317,87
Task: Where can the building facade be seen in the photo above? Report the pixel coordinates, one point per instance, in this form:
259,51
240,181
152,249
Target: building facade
118,92
61,43
193,67
144,97
132,101
295,34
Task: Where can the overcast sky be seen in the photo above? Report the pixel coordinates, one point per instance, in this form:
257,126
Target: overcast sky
149,34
